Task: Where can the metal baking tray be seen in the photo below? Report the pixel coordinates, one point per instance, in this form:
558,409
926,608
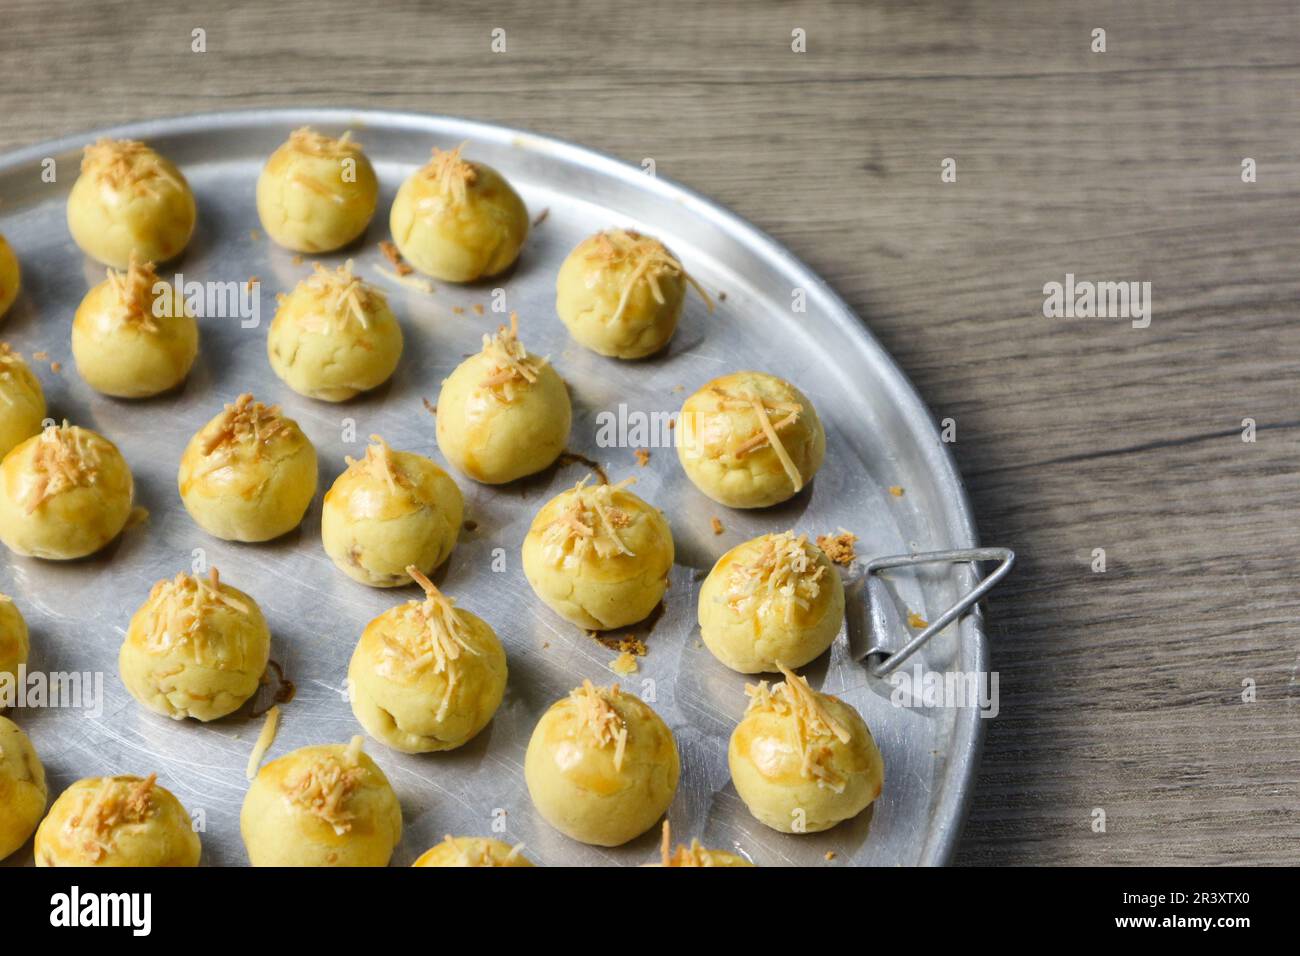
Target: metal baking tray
879,435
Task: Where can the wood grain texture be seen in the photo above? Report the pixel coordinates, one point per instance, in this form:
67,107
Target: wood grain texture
1120,690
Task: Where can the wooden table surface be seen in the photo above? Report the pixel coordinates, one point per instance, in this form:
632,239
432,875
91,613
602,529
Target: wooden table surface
1120,690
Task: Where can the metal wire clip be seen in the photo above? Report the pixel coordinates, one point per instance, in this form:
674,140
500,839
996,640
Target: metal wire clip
888,661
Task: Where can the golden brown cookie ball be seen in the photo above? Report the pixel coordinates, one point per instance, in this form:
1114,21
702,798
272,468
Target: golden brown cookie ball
389,511
750,440
196,648
10,276
249,474
22,401
117,821
601,766
64,494
620,293
503,413
599,556
22,788
775,598
129,199
803,761
426,675
15,642
130,340
473,851
693,855
327,805
458,221
334,336
316,193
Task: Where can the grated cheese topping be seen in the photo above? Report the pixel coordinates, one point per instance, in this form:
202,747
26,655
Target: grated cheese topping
693,855
648,259
430,634
346,297
510,363
116,802
324,786
767,434
598,719
589,524
264,741
133,290
127,164
307,140
784,572
815,728
452,174
181,607
379,463
472,852
246,423
10,363
64,460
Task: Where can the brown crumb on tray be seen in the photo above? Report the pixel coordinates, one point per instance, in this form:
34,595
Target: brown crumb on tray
470,526
252,281
722,296
624,665
830,855
297,260
457,310
56,367
478,308
896,490
541,217
429,407
41,356
716,523
400,265
254,235
839,547
915,620
642,456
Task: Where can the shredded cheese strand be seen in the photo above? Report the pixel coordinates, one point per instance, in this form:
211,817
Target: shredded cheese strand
598,718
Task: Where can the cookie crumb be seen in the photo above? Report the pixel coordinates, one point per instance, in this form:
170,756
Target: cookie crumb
717,525
541,217
400,265
642,457
429,407
915,620
478,308
896,490
254,235
624,665
839,547
830,855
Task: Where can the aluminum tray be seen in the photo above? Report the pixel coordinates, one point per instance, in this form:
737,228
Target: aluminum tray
879,434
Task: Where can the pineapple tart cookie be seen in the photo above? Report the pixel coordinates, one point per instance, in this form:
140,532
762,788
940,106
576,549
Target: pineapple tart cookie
599,556
458,221
775,598
10,276
334,336
15,643
117,821
249,474
503,413
328,805
130,342
693,855
64,494
750,440
316,193
803,761
388,511
22,788
22,401
601,766
426,675
473,851
129,199
620,293
196,648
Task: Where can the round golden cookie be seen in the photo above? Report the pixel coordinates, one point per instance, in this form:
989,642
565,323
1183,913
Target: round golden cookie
196,648
388,511
64,494
750,440
601,766
22,788
693,855
458,221
11,279
130,341
328,805
503,413
22,399
316,193
117,821
473,851
426,675
249,474
803,761
620,293
599,556
128,199
15,642
334,336
774,598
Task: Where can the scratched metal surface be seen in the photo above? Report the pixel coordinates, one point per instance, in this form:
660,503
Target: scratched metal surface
879,435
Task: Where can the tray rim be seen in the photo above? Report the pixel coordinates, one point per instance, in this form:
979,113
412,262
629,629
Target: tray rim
968,727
